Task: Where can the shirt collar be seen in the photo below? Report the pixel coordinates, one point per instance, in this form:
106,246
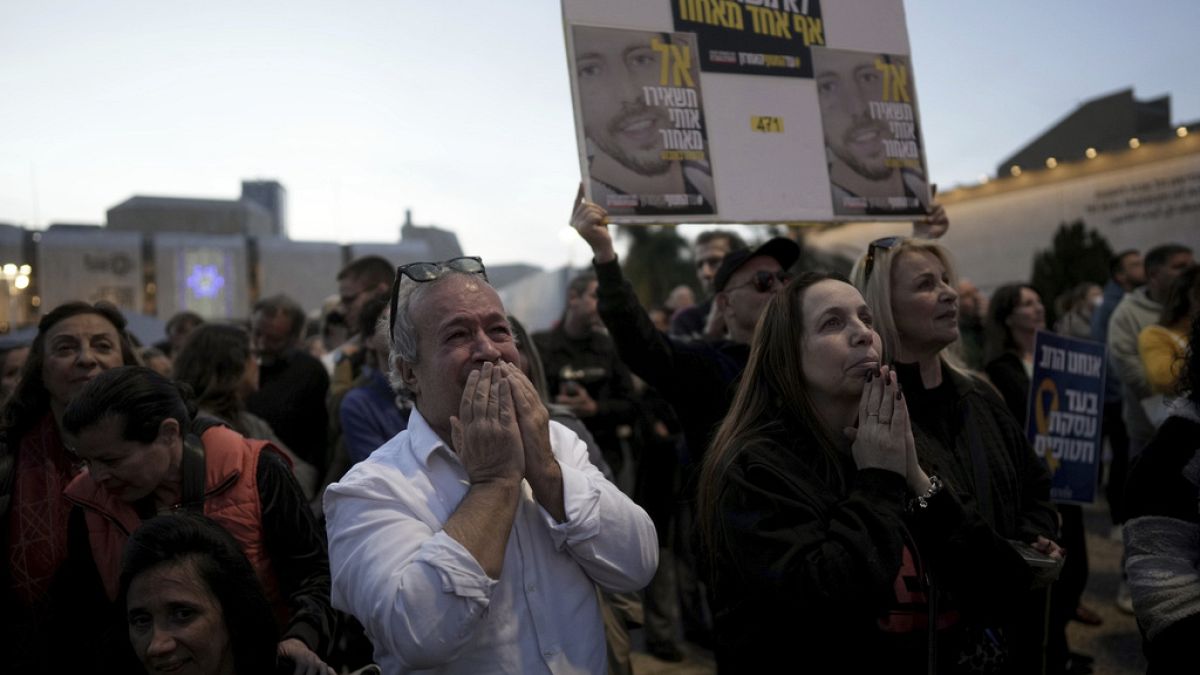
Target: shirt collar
423,440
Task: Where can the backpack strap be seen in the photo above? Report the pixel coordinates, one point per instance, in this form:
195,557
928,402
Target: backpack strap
194,471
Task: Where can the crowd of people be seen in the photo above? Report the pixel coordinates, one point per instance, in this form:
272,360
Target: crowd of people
796,467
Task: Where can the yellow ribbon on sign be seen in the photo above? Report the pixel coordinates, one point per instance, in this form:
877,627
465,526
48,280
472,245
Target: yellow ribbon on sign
1041,415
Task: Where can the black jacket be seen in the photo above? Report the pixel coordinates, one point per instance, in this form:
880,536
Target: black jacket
291,398
698,378
966,435
1008,375
598,370
815,578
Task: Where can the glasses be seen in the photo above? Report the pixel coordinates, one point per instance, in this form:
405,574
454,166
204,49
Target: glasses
883,244
763,280
421,272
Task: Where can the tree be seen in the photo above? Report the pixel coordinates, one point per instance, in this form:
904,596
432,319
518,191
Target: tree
657,261
1077,254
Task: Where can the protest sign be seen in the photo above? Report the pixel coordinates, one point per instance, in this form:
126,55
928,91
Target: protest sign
746,110
1065,417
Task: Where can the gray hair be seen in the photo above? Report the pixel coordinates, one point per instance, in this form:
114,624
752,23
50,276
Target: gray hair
404,338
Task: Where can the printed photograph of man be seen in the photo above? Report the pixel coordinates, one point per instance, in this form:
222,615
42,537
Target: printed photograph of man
876,165
639,98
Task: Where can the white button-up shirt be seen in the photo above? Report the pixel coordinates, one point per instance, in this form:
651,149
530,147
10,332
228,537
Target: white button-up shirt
426,603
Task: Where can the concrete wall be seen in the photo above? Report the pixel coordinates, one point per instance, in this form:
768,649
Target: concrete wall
90,266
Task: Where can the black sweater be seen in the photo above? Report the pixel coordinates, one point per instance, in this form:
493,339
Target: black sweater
840,578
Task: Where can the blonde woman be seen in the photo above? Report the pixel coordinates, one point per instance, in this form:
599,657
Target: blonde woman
963,430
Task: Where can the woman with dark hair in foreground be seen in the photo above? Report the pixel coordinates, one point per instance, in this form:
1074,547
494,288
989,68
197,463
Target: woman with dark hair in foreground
831,549
192,601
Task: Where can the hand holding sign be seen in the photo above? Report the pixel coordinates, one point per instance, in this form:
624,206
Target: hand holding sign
590,220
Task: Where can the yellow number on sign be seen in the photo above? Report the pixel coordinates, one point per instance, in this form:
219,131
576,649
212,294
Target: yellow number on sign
767,125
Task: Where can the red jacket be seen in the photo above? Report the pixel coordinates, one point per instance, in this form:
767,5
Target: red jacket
231,498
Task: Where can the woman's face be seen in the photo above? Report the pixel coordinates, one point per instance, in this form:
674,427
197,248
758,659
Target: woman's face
924,304
839,345
78,348
176,624
1029,315
129,470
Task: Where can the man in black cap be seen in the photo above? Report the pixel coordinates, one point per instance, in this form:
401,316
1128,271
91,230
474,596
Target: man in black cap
696,377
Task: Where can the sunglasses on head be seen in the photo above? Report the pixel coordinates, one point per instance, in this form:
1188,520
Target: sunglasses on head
883,244
764,280
421,272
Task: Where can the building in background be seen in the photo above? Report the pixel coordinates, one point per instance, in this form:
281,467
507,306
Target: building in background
439,244
197,216
1118,165
90,264
216,257
272,196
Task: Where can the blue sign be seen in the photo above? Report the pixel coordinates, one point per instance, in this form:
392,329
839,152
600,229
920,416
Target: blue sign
1065,416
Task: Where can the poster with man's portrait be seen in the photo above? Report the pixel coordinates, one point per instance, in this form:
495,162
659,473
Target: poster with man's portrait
639,99
872,139
699,111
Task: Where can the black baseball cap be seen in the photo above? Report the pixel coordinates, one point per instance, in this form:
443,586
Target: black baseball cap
786,251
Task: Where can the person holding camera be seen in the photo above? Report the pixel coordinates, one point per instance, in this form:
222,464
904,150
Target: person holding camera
584,373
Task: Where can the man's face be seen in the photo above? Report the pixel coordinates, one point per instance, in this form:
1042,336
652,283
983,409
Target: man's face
461,324
847,82
970,301
1133,271
743,301
271,336
1166,275
354,293
708,260
612,66
583,307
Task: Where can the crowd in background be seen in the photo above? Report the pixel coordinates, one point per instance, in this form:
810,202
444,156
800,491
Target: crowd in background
819,465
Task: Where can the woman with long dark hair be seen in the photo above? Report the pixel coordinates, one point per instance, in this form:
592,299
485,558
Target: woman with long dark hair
1015,315
218,363
830,547
75,342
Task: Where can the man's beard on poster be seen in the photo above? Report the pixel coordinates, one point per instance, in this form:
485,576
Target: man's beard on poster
646,159
876,170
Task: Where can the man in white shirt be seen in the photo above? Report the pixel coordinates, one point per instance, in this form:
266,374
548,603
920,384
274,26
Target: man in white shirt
473,541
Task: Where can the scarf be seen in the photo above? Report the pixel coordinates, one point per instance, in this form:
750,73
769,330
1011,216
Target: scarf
39,513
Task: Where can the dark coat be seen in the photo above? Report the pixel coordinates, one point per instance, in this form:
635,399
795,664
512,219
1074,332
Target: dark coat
988,447
696,377
830,579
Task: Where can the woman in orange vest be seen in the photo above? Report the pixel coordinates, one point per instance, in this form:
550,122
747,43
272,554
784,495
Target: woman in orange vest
145,456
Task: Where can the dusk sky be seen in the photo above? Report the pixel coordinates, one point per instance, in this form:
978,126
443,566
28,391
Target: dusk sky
461,110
